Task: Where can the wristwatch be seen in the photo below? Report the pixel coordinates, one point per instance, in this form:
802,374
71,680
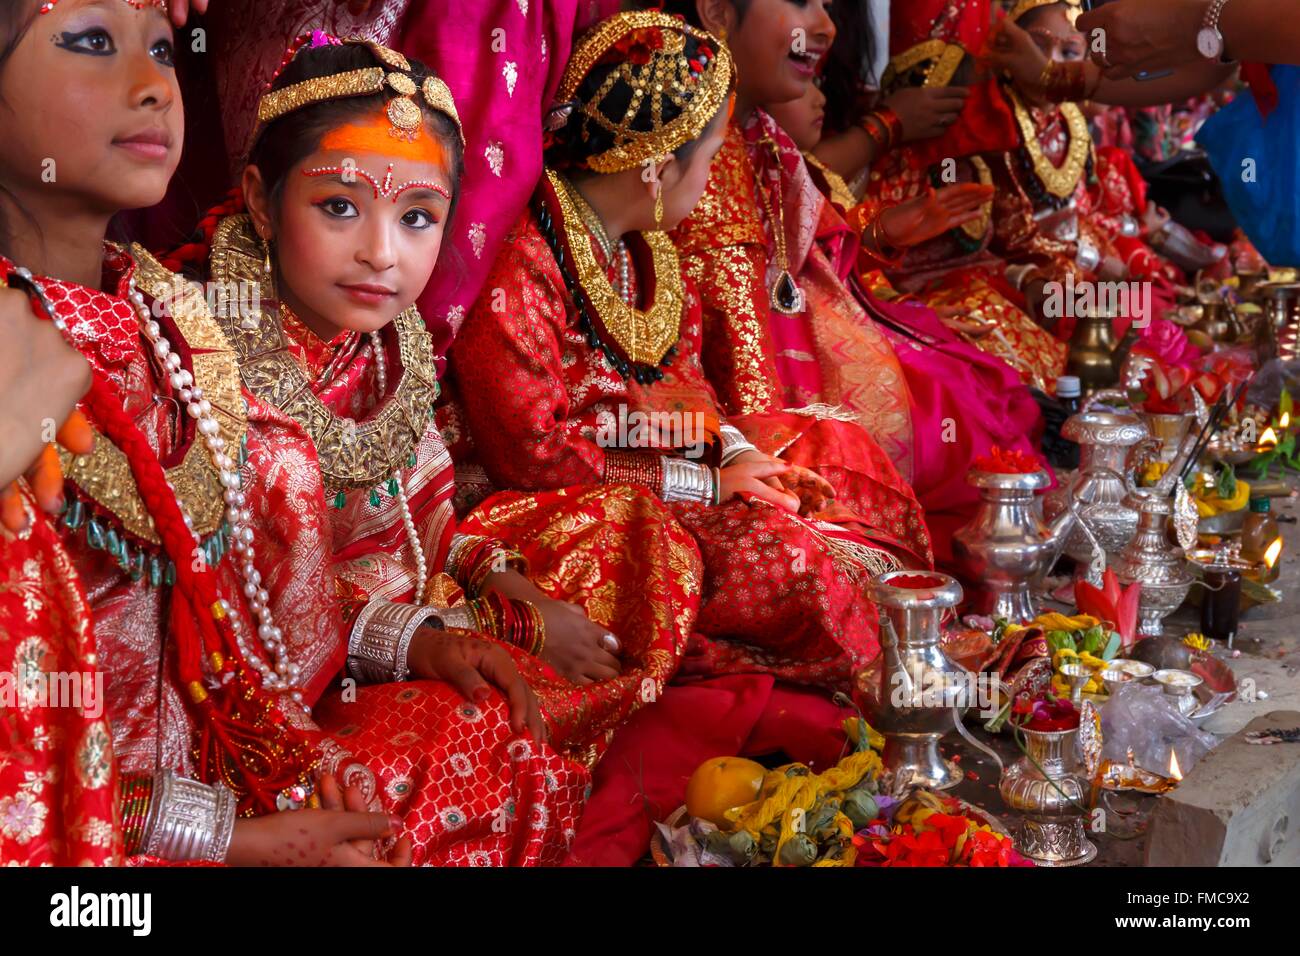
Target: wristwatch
1209,41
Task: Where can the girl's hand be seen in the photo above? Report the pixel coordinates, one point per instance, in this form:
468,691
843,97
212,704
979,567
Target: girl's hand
312,838
351,799
41,380
759,475
925,112
575,646
470,665
813,491
917,220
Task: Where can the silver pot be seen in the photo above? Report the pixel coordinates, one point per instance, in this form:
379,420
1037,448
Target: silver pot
1051,794
1006,548
1103,482
1152,559
912,693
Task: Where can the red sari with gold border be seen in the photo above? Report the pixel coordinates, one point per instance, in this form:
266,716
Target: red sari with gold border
782,593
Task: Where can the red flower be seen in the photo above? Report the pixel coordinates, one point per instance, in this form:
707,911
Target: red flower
1003,462
637,47
1112,604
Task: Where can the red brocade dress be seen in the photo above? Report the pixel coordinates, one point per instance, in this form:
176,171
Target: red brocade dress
891,368
78,609
542,406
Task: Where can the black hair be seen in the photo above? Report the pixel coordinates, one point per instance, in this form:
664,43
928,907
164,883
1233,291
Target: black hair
16,19
286,141
580,138
846,75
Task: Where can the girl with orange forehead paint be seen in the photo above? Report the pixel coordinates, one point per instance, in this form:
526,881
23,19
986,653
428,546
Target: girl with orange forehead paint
350,188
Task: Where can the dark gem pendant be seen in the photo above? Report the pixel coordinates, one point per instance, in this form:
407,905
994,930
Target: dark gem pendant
787,297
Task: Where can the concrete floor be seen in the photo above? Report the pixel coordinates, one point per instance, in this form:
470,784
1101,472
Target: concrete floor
1269,646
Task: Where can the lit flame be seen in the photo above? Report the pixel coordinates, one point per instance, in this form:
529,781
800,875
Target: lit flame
1271,555
1175,771
1284,421
1268,439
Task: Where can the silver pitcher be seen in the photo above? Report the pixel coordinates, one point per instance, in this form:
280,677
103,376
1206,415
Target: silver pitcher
1052,799
912,693
1106,441
1006,549
1155,561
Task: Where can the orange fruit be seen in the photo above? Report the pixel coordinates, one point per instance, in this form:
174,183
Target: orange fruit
720,784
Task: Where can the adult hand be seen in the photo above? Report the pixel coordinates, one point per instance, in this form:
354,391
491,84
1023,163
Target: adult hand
814,492
917,220
1012,51
925,112
1139,35
575,645
759,475
41,380
470,665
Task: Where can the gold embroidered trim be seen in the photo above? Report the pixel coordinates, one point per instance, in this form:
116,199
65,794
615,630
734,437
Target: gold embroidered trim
351,454
645,337
105,474
944,58
977,229
1057,180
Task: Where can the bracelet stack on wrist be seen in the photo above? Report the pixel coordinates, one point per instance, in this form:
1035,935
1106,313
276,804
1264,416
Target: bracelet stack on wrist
381,638
689,481
884,127
471,558
1066,82
188,820
734,444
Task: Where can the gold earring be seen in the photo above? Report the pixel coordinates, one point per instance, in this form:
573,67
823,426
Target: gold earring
266,263
659,206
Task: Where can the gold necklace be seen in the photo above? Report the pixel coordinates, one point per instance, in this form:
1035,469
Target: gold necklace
351,454
785,295
1059,181
643,336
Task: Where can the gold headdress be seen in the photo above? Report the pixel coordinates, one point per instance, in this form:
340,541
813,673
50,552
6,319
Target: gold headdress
660,76
49,5
1021,7
394,75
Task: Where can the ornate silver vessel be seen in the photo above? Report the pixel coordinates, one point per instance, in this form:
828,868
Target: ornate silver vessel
1167,433
1106,441
912,693
1006,548
1154,560
1052,799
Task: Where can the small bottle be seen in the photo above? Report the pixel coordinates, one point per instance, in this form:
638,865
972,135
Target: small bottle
1258,534
1068,393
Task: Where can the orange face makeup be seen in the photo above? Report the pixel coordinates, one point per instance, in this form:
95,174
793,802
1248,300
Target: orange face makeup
375,136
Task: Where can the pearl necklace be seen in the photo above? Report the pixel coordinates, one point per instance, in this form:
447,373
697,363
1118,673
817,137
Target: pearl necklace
408,522
284,675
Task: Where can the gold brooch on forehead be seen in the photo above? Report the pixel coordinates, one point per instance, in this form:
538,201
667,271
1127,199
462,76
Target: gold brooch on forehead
403,111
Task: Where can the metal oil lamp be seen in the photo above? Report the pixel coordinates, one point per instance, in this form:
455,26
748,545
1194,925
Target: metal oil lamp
912,693
1005,549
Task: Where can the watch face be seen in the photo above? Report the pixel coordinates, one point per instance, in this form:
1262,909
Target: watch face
1210,43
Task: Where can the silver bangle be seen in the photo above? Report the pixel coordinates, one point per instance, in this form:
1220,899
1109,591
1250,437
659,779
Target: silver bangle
459,617
734,443
689,481
1088,257
188,820
381,638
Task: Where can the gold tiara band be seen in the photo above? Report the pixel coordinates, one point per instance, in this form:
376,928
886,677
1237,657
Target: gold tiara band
1024,6
403,112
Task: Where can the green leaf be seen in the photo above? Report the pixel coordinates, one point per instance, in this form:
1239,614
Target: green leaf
1112,646
1057,640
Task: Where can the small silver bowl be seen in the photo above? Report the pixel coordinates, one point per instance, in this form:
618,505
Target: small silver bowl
1181,685
1137,670
1115,678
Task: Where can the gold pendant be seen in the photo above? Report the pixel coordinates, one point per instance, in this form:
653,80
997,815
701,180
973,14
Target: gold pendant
786,296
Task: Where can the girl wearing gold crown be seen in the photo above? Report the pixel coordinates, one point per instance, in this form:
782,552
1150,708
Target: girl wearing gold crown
580,365
193,723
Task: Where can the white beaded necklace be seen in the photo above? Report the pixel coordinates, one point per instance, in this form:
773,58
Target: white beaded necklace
408,522
284,675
